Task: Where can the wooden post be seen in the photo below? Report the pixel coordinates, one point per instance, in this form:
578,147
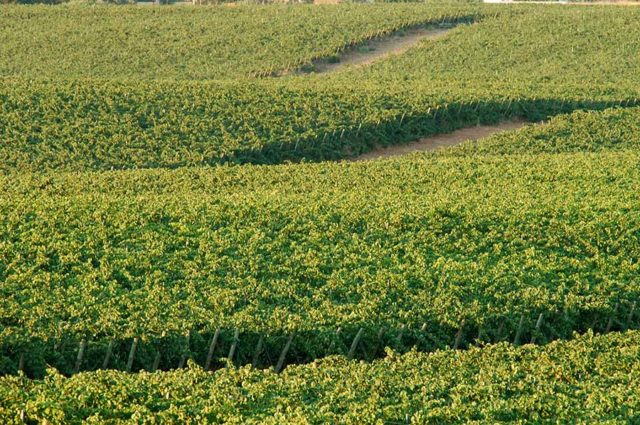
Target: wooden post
400,335
595,321
107,356
132,354
234,344
567,322
423,328
538,326
333,343
156,359
81,348
156,362
611,318
480,334
500,330
212,347
354,344
378,342
256,355
516,340
283,354
21,362
630,316
183,356
458,340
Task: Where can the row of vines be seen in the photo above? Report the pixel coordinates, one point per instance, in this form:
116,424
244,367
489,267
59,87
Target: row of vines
583,58
465,243
589,379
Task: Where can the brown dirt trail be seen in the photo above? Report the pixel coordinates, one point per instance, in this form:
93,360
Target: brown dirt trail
441,140
381,48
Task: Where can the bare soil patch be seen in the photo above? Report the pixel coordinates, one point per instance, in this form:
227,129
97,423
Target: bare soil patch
441,140
379,48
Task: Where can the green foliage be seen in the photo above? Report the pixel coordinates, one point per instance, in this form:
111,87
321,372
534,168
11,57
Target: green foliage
525,46
100,126
318,246
192,43
587,380
582,131
476,74
544,221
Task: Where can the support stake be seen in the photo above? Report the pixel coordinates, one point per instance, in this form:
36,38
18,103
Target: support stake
212,348
480,334
354,344
132,354
458,340
234,344
378,342
611,318
283,354
156,361
630,317
400,335
256,355
333,342
107,356
538,326
83,346
183,357
516,340
21,362
500,330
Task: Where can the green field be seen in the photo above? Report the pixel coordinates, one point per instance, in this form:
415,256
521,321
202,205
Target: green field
173,190
587,380
474,74
192,43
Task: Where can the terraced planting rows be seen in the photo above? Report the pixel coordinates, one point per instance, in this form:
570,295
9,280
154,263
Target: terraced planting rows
474,74
88,126
289,249
583,131
194,43
138,230
589,379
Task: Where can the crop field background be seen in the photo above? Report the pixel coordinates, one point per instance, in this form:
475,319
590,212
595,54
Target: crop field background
181,240
582,58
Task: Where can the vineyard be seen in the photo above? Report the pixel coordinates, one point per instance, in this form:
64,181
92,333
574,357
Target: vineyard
594,378
286,249
438,86
181,241
191,43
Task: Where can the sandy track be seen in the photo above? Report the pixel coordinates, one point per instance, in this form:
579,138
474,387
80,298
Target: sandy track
441,140
381,48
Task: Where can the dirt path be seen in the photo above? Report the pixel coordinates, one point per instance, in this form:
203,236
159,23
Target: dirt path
442,140
380,48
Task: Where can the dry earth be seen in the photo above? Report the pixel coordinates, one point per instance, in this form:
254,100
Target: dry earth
380,48
441,140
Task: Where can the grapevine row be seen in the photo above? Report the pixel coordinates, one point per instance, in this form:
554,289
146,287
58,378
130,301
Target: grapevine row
594,378
229,346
